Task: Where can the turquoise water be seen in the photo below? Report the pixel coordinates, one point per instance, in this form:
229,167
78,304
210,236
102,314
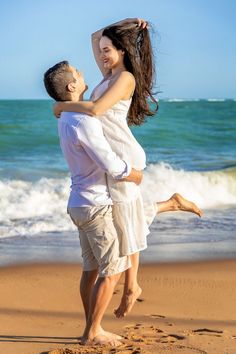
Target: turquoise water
190,147
193,135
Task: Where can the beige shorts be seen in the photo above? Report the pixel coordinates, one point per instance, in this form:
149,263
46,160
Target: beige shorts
98,240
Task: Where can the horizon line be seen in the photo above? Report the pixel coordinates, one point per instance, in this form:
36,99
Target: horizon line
160,99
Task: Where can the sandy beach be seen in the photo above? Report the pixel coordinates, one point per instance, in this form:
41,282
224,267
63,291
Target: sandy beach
184,308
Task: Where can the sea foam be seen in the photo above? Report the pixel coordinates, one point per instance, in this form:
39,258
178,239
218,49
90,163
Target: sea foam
211,189
29,208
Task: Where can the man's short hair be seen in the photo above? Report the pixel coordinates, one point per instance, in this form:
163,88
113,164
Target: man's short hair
56,80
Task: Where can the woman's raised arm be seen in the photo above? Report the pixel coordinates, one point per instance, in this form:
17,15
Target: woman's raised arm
96,36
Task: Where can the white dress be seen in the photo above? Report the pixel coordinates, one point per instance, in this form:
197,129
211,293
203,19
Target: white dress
131,219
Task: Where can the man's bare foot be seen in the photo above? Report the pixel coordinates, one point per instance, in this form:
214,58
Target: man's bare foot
102,339
180,203
110,334
127,302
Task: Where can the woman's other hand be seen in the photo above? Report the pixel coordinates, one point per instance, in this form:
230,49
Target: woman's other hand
57,109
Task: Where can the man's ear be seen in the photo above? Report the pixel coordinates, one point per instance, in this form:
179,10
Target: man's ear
71,87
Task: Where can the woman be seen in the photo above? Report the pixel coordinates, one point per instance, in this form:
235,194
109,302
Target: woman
123,53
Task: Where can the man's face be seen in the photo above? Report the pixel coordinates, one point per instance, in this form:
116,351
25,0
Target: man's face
78,84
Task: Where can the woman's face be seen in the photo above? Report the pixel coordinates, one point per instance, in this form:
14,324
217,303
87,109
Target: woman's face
110,56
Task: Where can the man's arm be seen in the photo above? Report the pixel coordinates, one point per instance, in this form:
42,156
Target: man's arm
90,136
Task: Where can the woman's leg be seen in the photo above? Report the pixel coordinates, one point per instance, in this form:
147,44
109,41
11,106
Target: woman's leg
131,288
178,203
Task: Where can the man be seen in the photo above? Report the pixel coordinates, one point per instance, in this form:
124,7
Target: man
89,157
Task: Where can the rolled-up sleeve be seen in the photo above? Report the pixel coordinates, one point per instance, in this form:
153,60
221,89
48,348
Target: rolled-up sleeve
92,139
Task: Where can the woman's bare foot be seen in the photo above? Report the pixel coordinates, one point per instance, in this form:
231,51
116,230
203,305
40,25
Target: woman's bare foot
127,302
180,203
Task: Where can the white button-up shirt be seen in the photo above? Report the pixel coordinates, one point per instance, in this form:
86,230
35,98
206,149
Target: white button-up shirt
89,158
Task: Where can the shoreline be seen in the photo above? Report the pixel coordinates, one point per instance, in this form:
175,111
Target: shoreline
160,255
185,307
192,240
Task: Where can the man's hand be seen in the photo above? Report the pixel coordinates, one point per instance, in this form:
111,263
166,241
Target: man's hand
134,176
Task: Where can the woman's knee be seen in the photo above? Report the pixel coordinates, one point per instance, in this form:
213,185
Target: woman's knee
113,279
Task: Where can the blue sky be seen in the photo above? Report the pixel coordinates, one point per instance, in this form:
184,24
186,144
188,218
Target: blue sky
194,44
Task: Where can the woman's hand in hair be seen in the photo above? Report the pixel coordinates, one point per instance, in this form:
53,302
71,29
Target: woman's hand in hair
57,109
138,21
142,23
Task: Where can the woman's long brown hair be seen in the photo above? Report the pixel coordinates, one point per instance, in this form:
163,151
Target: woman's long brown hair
138,60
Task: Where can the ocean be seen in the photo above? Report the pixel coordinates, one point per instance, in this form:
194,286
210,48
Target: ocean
190,147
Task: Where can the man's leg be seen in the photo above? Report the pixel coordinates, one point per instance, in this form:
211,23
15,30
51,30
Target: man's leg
87,283
80,216
101,297
104,250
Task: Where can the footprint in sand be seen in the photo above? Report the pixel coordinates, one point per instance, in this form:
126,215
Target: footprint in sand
214,332
124,349
128,349
62,351
208,332
151,335
156,316
156,340
143,329
188,349
170,338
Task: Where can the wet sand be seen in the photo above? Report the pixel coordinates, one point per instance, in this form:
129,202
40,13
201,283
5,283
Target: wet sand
185,308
